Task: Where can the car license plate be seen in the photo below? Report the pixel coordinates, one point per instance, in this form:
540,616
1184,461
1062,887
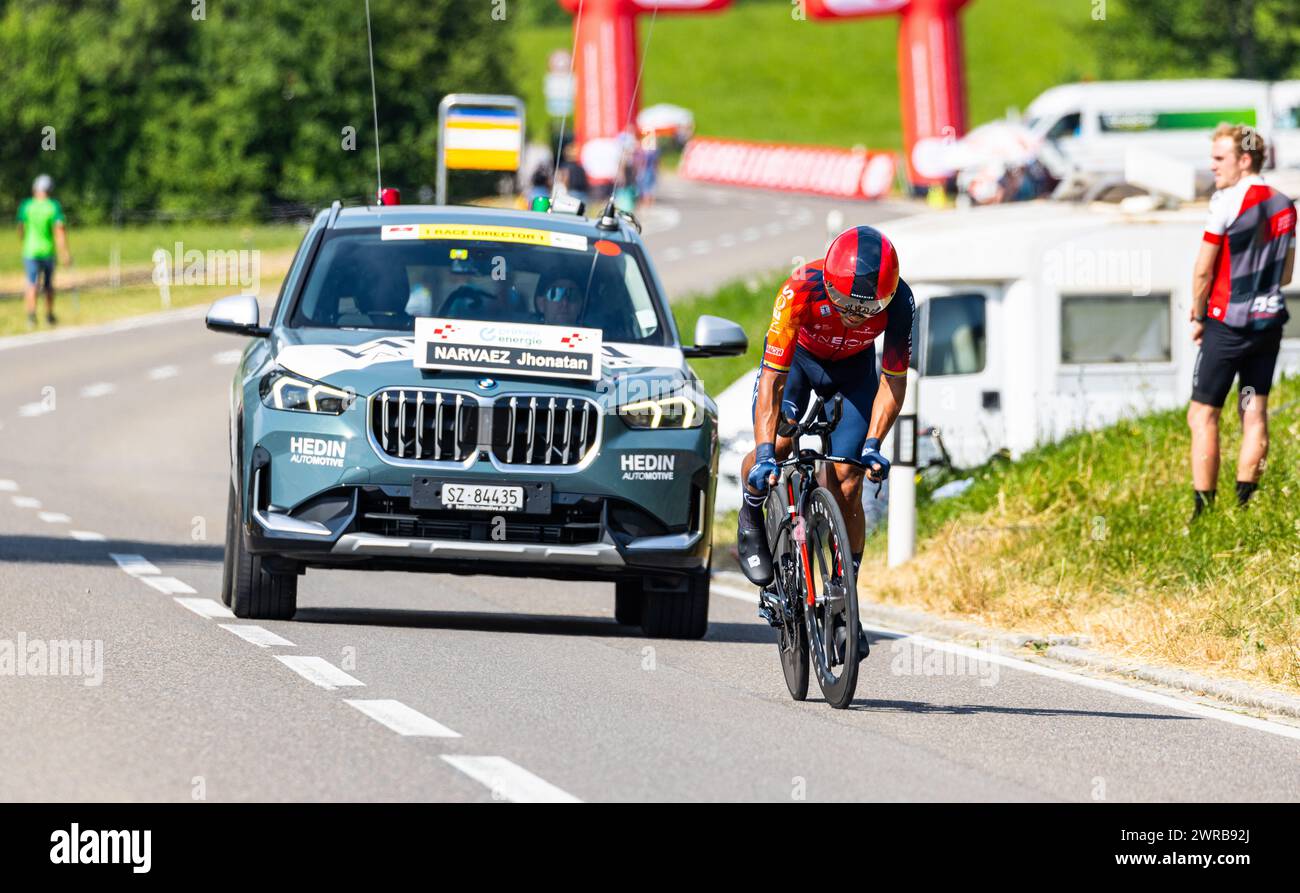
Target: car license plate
482,497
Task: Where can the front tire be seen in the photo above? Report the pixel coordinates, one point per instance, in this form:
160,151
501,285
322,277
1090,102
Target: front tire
831,572
629,602
680,612
792,639
247,587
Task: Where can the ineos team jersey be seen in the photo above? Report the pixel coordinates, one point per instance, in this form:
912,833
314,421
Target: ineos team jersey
803,315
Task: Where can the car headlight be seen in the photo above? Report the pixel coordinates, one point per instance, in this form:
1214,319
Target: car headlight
284,390
677,411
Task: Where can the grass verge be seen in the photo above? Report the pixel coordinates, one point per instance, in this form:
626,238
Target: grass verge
93,246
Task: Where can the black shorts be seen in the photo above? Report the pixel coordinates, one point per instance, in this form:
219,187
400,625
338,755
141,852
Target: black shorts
1227,353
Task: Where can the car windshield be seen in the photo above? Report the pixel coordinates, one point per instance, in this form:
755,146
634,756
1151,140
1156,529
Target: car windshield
366,279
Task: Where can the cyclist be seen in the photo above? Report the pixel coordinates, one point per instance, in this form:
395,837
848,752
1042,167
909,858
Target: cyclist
825,322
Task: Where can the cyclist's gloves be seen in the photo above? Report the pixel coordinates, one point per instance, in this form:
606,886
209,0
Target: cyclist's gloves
764,467
871,456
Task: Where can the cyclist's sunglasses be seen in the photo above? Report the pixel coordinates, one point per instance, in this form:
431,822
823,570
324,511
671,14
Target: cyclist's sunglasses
851,306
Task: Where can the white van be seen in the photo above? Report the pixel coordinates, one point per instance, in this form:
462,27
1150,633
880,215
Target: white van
1093,125
1036,320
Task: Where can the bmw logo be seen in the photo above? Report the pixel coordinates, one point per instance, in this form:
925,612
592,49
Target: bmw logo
487,384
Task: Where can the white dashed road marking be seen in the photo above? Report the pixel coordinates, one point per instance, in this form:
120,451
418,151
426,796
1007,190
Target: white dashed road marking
26,502
700,246
750,234
135,565
402,719
508,781
98,389
257,635
318,671
29,410
227,357
205,607
169,585
8,486
53,517
160,372
87,536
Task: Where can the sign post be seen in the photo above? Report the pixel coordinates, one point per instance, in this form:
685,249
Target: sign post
478,132
902,479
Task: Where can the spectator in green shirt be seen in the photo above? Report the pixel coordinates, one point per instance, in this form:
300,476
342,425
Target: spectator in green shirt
41,227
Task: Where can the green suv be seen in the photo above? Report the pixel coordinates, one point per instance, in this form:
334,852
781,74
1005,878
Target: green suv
473,391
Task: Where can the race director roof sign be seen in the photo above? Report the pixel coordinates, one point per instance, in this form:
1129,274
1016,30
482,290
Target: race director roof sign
507,348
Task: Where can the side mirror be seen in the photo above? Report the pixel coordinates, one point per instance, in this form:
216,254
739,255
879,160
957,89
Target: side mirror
717,337
237,315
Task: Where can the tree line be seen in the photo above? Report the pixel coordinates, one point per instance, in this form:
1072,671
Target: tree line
232,107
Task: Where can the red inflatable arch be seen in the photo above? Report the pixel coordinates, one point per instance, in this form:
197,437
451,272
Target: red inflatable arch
932,88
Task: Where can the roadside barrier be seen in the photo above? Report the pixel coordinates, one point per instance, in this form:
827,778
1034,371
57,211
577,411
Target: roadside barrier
823,170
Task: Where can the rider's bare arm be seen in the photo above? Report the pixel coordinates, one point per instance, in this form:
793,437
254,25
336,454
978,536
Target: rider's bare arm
771,386
889,400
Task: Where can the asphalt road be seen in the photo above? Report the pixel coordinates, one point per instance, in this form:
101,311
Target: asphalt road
416,687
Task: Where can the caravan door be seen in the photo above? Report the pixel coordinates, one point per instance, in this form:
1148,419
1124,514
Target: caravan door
961,391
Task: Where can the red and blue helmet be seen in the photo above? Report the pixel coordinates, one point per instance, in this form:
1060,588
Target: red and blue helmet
861,271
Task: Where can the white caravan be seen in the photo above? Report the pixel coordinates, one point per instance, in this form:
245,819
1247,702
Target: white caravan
1036,320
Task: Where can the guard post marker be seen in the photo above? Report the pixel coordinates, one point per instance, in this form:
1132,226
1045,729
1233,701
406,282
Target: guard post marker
902,478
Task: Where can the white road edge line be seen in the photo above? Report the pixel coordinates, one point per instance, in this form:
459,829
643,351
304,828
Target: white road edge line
124,325
209,608
98,389
169,585
508,781
402,719
87,536
318,671
133,564
257,635
1107,685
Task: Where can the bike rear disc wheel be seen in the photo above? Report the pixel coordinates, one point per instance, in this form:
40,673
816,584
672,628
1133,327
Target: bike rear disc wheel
792,640
831,620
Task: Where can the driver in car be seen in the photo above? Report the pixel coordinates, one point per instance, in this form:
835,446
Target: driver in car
558,300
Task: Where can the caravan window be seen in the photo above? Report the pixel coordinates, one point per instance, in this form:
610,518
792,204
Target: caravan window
1115,329
954,335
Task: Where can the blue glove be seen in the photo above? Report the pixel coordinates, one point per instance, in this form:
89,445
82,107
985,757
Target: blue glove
871,456
764,466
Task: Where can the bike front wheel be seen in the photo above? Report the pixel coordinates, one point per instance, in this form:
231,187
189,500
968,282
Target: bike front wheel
792,641
831,613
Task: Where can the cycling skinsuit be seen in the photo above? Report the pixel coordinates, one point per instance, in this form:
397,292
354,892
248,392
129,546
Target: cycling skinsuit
1253,226
809,340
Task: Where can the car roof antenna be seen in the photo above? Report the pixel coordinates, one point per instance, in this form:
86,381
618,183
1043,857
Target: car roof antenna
374,105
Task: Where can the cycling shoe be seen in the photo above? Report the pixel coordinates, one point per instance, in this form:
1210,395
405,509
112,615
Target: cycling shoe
755,555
